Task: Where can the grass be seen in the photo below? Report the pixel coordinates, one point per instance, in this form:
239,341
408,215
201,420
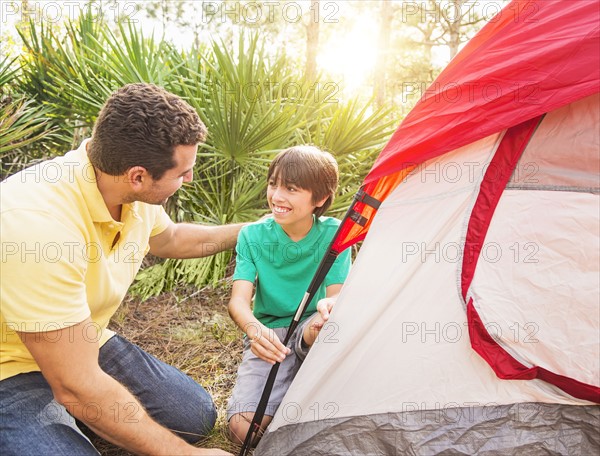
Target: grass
191,330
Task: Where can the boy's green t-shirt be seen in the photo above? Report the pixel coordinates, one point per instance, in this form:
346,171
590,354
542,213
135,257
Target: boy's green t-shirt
282,269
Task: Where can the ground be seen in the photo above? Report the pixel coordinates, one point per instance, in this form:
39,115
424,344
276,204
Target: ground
191,330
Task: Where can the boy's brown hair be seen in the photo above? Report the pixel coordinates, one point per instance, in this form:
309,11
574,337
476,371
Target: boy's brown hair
140,125
309,168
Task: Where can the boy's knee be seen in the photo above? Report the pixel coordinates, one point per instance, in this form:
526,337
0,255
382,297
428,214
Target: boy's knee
238,428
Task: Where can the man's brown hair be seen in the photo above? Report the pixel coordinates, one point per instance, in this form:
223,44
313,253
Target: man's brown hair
140,125
309,168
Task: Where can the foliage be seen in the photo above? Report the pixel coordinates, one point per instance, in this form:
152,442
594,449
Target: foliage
251,98
245,99
22,122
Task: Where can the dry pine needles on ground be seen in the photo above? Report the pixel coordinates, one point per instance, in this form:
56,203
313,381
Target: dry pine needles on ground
191,330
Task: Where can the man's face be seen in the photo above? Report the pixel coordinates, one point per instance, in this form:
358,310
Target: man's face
161,189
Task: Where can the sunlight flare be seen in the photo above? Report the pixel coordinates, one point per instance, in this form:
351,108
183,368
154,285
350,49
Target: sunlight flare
351,55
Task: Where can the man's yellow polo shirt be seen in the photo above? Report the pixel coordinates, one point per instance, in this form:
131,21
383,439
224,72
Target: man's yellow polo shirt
59,265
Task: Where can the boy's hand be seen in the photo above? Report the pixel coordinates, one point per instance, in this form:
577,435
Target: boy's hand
323,308
311,331
265,344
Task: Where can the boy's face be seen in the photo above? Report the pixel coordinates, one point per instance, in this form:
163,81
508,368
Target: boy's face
292,206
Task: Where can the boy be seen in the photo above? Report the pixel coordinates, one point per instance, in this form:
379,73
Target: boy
281,254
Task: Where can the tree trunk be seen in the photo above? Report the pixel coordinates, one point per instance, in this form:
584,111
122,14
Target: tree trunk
312,41
454,23
386,17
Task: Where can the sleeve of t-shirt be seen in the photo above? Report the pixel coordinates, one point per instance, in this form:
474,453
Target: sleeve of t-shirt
161,222
246,252
43,277
340,269
158,220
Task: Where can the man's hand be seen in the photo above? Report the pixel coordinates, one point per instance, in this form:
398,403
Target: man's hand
211,452
68,359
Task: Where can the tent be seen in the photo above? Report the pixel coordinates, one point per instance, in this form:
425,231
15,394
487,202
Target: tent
470,322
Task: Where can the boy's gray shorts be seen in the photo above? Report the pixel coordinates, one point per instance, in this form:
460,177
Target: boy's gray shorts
253,372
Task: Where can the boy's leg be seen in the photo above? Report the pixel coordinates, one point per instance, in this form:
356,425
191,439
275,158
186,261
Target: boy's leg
33,423
239,425
251,378
172,398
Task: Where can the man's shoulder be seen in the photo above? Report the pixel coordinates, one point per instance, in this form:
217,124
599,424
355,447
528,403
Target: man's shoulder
46,184
43,201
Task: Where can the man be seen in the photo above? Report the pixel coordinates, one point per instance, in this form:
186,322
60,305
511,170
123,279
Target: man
74,232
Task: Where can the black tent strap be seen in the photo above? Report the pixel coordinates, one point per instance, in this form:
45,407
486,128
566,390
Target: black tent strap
364,197
357,218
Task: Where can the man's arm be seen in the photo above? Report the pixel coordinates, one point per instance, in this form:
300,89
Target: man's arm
191,240
69,362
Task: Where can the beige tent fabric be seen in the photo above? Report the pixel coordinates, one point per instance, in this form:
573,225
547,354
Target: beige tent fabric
565,150
393,372
398,340
536,286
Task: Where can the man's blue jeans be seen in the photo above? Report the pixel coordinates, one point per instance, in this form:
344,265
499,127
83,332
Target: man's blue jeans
33,423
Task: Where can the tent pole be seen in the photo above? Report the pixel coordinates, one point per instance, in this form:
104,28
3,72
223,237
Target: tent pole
318,278
322,271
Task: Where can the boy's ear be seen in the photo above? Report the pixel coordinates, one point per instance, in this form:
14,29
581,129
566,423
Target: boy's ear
321,202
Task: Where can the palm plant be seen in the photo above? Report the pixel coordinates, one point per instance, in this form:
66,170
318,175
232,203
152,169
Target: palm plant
241,97
354,135
57,73
22,122
252,100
